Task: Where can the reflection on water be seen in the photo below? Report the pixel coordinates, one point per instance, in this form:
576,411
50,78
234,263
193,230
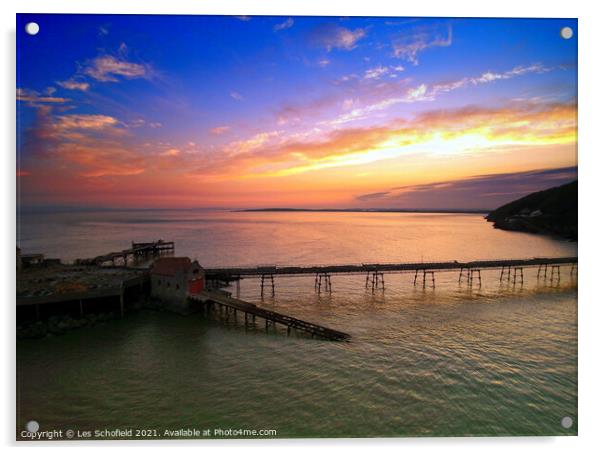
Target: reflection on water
222,238
500,359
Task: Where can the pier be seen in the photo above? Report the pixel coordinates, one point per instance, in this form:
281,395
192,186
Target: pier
137,251
91,286
227,306
511,270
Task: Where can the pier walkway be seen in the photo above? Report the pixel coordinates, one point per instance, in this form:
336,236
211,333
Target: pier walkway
511,270
227,306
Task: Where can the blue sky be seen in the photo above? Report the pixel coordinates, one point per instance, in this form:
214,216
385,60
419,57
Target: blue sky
272,104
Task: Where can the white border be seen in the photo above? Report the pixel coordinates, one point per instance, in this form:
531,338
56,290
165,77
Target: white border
590,148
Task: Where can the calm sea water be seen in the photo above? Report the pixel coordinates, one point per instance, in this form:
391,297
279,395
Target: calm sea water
499,360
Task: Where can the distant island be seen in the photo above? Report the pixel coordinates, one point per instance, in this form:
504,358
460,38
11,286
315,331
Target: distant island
552,211
383,210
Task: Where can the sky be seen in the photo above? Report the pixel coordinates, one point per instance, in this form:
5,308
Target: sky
126,111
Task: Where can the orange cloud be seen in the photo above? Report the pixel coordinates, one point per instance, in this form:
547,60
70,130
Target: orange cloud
470,129
220,129
106,68
72,84
34,98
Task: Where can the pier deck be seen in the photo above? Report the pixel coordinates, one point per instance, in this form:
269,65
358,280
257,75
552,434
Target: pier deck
233,273
228,303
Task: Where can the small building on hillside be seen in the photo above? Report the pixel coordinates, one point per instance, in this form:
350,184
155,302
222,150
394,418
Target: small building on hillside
174,279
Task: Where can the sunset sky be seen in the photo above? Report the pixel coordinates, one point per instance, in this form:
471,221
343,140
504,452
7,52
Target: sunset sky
315,112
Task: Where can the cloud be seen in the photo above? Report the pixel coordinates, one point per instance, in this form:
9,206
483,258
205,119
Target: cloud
331,36
235,95
84,121
34,98
97,160
220,129
489,76
251,144
322,63
371,196
407,46
284,25
140,122
171,152
375,73
72,84
107,68
476,192
423,92
86,145
243,18
379,71
469,130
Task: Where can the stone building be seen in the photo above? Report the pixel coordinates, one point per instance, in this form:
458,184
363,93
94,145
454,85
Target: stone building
173,279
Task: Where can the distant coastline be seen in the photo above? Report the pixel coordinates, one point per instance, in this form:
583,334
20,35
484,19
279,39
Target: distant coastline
549,212
384,210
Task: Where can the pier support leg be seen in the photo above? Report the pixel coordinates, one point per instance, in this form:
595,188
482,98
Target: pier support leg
555,273
262,282
269,277
121,301
323,277
544,268
505,272
516,274
376,279
424,275
81,309
471,276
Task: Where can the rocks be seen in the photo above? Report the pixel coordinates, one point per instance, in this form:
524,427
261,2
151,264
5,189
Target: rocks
58,325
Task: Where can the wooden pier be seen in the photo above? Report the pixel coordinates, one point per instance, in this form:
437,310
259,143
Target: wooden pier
226,305
137,251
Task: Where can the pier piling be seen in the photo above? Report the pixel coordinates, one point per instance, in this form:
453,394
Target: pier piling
323,278
268,277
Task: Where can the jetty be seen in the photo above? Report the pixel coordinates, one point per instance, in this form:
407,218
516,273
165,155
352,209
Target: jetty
226,306
137,251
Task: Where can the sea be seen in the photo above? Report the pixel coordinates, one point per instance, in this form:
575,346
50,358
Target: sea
453,360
